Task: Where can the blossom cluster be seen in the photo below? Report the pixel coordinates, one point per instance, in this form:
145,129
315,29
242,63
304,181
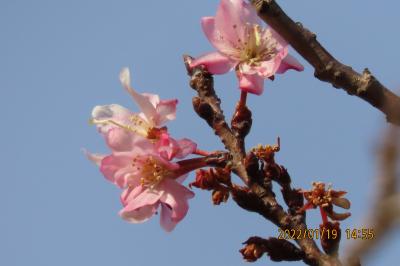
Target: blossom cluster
142,157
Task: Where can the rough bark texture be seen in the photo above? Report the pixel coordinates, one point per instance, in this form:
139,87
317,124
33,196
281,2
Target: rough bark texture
327,68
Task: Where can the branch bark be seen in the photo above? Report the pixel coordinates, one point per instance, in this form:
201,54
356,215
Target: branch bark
261,199
327,68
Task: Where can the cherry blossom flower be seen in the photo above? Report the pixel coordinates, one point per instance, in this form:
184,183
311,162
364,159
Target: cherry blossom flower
141,157
148,123
255,53
153,183
148,179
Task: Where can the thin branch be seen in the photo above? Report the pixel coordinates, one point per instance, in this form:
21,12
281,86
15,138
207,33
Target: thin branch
258,197
327,68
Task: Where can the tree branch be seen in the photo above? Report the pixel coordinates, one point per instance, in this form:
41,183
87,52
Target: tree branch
327,68
259,197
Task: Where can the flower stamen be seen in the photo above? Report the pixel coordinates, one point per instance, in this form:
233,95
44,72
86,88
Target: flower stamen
138,125
151,171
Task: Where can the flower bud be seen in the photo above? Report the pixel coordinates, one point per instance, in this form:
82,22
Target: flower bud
219,196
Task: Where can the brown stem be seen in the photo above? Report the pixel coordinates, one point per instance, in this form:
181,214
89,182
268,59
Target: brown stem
243,98
327,68
188,165
201,152
259,198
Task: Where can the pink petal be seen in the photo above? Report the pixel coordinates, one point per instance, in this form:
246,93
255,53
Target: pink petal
130,193
119,139
94,157
114,168
167,147
122,141
176,196
146,197
154,99
166,221
139,215
182,178
232,18
251,83
141,145
142,101
113,112
268,68
289,62
166,163
126,176
215,62
166,111
186,147
220,42
265,69
282,43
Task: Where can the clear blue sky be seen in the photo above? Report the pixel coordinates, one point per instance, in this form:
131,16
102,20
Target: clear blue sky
60,58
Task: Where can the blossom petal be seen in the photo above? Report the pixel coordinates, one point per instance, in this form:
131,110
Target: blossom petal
166,111
265,69
182,178
141,100
289,62
114,112
186,147
138,215
154,99
281,42
251,83
215,62
130,193
167,147
176,196
119,139
114,168
94,157
232,19
166,221
146,197
215,37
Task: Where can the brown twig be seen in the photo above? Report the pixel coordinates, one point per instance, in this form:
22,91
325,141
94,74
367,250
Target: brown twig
327,68
256,197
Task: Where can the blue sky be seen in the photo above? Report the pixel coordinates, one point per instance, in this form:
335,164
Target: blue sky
58,59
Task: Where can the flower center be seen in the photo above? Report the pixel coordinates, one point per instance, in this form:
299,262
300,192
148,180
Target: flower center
259,45
137,125
319,196
151,171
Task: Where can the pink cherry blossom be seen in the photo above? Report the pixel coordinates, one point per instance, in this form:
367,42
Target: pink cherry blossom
255,53
141,157
147,176
154,112
127,147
